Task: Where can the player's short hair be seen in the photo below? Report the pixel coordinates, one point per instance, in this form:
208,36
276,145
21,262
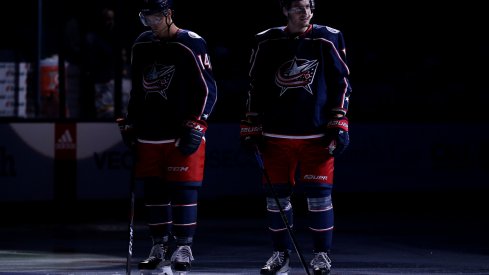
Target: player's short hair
287,3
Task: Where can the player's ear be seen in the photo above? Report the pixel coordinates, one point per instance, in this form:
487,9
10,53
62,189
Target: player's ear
169,13
285,11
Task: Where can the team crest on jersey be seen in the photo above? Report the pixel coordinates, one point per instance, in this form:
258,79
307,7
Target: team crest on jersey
333,30
157,79
296,73
193,34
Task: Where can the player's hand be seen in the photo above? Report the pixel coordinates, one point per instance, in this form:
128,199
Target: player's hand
128,133
337,138
192,133
251,133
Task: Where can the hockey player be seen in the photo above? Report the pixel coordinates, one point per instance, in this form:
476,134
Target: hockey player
173,94
296,116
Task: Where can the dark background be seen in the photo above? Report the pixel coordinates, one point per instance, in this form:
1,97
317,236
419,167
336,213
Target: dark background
410,61
414,65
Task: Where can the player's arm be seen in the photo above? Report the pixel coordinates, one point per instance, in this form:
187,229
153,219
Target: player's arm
341,47
127,122
250,125
204,98
201,78
336,38
336,74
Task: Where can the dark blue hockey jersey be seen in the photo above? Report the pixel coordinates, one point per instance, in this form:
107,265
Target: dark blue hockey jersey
172,81
298,82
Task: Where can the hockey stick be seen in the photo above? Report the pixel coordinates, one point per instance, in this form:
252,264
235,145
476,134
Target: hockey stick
282,214
132,195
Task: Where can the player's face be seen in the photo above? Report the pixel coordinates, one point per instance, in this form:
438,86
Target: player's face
300,13
151,20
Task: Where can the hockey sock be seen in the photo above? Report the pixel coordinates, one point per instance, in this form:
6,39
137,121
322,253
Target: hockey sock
321,222
278,229
184,206
157,207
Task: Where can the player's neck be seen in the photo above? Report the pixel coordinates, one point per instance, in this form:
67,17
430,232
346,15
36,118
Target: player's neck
169,32
297,30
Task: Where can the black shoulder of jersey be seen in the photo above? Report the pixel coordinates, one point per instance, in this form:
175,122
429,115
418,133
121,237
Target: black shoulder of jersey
275,32
189,37
192,40
144,37
326,31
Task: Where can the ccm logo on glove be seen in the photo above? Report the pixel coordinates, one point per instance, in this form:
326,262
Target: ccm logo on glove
192,133
198,126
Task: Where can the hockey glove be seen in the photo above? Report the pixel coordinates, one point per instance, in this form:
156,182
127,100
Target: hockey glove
251,133
337,137
192,133
127,132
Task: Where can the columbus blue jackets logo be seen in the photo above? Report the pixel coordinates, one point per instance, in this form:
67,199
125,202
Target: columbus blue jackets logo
157,79
296,73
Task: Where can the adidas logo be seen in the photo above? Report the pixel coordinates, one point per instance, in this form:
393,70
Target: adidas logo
65,142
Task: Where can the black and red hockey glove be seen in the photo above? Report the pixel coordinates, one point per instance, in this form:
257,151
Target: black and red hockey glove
191,136
337,138
128,133
251,134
